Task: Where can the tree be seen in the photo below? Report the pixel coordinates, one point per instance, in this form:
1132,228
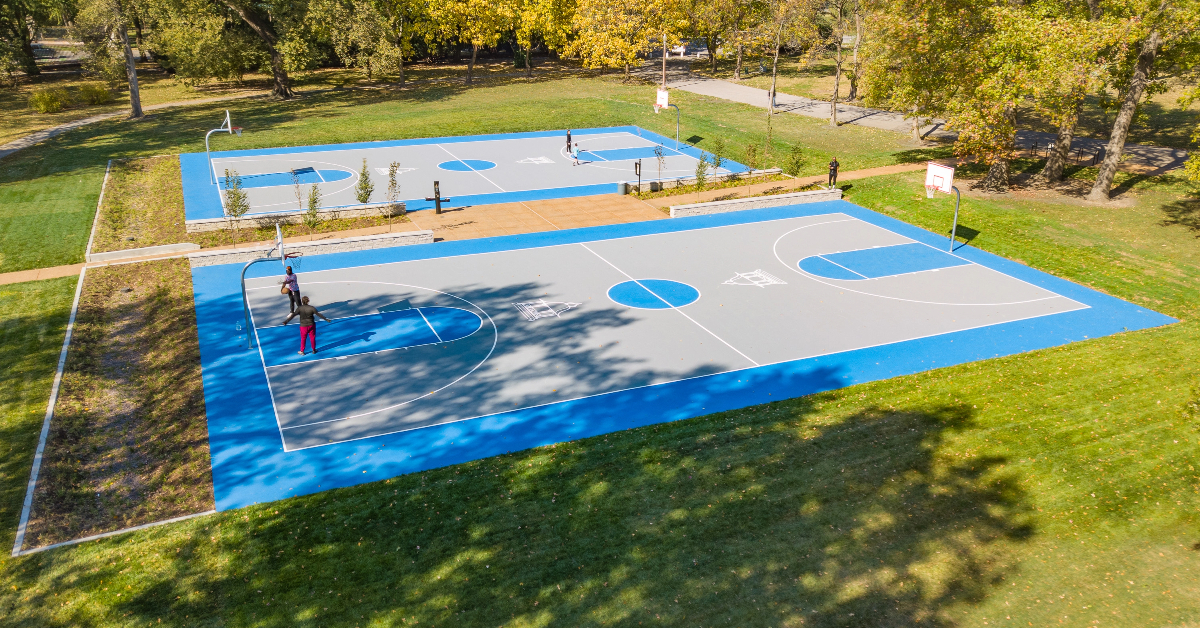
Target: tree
477,22
200,39
838,12
18,21
261,18
856,65
373,35
547,20
103,25
1164,33
615,33
236,202
364,188
713,20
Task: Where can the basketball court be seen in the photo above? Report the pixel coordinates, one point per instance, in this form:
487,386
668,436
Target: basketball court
454,351
471,170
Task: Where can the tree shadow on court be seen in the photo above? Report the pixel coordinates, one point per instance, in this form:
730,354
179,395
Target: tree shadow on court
768,516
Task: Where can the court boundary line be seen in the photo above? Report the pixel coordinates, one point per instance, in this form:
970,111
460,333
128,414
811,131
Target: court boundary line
266,376
694,321
354,175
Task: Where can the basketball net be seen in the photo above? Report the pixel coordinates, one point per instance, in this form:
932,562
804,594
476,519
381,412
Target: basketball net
929,190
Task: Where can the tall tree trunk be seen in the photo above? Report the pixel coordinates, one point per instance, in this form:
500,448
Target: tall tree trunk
262,26
143,56
135,97
916,124
712,44
857,39
528,63
837,82
471,64
997,177
774,73
27,59
1137,85
1057,159
400,47
737,69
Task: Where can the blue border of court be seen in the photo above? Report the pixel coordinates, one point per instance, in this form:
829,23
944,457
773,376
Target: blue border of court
249,464
201,200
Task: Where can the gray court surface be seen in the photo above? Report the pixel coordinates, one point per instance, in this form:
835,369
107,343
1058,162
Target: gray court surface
598,346
521,165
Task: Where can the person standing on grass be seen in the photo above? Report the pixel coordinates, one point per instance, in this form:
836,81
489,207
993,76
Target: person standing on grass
292,284
833,168
308,323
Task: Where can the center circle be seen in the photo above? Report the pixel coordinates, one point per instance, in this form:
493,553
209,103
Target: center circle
653,294
466,165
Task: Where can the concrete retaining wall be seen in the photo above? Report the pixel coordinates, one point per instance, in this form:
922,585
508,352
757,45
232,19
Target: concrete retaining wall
630,187
142,252
292,217
755,202
315,247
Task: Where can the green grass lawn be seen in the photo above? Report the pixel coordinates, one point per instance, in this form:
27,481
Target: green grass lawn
48,193
1051,488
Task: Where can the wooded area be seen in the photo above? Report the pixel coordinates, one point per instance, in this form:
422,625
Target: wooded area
974,63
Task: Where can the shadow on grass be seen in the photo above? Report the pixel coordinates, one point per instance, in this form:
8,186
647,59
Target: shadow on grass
918,155
763,516
1184,212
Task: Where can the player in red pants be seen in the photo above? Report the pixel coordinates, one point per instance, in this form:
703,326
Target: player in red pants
308,323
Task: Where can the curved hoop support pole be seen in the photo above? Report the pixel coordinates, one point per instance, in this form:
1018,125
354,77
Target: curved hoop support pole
954,227
245,302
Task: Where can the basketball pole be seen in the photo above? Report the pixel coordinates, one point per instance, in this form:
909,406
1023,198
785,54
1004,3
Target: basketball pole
245,302
954,227
227,125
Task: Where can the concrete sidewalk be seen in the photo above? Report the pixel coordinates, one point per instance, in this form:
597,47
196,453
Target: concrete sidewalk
1135,157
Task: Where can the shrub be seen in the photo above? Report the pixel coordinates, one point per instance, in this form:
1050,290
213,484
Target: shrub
312,216
95,94
795,161
49,100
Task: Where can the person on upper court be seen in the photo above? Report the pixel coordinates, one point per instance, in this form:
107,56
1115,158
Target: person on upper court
308,323
833,169
292,283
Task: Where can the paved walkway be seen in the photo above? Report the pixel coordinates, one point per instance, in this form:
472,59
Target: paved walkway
1137,157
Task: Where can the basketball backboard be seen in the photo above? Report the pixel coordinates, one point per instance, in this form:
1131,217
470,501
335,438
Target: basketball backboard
664,99
939,177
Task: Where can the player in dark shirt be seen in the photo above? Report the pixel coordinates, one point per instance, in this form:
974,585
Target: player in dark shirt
308,323
833,168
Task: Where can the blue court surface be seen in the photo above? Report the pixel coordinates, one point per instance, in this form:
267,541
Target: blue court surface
454,351
472,170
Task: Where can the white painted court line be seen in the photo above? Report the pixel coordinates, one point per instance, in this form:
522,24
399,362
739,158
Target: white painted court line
472,169
618,269
495,342
842,267
796,269
539,215
104,535
435,334
266,374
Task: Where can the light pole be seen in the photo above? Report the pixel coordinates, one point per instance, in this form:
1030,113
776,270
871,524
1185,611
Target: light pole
225,126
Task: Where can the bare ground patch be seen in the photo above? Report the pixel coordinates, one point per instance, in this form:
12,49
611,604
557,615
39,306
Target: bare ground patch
129,439
143,206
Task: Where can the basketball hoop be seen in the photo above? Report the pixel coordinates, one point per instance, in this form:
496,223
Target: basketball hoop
238,130
294,260
929,190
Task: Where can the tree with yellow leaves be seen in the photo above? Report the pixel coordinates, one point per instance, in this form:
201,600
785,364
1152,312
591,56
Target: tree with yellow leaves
478,22
545,20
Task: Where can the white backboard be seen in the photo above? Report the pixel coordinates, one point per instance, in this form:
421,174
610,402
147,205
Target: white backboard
939,177
663,99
